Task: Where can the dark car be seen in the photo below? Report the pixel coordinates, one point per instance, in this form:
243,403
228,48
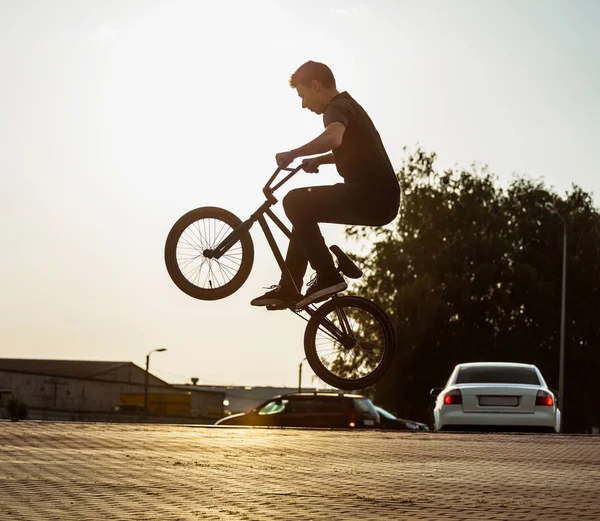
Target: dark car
333,410
390,422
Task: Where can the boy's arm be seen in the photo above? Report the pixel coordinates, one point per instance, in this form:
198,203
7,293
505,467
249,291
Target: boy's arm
312,164
331,138
326,159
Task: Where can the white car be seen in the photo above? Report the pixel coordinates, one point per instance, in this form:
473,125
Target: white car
496,394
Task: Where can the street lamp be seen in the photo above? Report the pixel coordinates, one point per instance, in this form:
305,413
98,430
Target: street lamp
561,368
146,376
300,376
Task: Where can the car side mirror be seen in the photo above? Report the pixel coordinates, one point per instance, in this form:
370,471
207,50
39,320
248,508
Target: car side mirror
556,395
436,391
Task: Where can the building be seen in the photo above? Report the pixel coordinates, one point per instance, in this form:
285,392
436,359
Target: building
244,398
90,390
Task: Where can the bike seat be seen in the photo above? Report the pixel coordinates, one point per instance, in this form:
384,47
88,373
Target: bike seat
345,265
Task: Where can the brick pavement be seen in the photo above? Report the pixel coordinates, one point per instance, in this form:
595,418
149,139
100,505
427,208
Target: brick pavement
77,471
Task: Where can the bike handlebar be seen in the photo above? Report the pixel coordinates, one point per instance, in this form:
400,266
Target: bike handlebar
268,189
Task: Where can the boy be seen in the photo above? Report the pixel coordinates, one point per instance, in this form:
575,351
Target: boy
369,195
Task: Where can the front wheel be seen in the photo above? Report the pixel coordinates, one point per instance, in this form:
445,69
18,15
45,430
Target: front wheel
349,342
197,275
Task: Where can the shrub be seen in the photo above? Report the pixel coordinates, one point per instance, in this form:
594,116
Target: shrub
17,409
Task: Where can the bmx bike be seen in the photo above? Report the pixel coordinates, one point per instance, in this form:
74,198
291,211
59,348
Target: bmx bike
349,341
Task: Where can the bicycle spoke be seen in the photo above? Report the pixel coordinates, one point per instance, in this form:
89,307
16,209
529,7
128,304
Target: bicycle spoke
226,272
220,235
200,235
201,271
367,342
205,256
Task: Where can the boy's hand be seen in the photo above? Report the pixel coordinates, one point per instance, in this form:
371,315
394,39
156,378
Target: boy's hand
311,165
284,159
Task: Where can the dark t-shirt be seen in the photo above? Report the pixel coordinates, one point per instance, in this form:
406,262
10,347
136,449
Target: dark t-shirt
361,158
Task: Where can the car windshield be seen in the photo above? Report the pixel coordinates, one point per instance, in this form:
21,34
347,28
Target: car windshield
274,407
385,414
364,405
497,375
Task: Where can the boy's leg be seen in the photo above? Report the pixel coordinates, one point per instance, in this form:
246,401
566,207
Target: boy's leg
306,207
342,204
296,261
284,294
339,204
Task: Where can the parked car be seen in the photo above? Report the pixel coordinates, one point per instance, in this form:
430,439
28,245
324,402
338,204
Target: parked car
390,422
334,410
498,395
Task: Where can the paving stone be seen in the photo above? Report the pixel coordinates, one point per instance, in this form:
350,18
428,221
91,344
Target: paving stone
78,471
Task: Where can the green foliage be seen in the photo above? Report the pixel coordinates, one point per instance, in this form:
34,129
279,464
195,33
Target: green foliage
471,271
17,409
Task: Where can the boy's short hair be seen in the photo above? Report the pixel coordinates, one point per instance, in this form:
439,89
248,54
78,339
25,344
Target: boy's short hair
309,71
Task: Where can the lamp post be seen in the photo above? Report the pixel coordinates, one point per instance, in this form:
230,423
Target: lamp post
561,368
300,376
146,376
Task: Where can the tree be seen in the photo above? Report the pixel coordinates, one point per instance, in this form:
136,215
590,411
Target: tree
471,271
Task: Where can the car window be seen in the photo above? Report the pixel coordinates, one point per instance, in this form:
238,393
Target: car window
364,405
497,374
274,407
315,405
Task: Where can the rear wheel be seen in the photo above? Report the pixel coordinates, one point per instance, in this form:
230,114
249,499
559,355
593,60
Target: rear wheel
349,342
195,274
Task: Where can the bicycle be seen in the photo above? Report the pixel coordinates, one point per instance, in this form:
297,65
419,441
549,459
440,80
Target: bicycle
209,254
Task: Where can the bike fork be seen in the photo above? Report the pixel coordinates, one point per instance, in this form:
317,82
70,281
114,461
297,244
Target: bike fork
342,333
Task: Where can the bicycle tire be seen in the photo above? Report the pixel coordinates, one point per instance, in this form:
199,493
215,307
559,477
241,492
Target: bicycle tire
192,272
341,372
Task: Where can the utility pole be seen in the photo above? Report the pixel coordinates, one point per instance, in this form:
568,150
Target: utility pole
563,305
146,376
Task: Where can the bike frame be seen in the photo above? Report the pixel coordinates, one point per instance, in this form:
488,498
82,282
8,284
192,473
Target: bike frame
259,215
342,335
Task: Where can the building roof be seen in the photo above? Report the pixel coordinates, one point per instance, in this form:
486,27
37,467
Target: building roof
88,369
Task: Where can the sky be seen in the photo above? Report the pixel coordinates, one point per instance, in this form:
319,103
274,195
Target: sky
119,116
